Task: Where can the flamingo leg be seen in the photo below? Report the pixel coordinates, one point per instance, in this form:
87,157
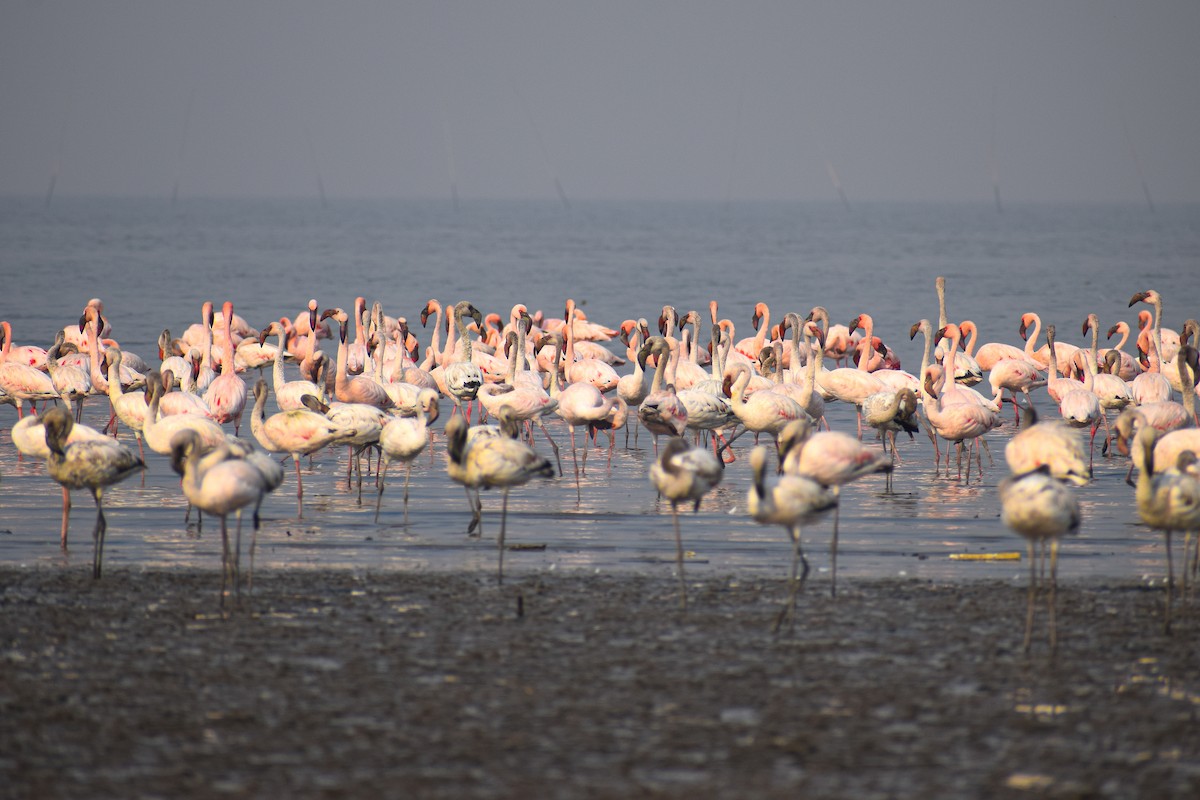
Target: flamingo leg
1031,596
788,612
679,557
500,539
1052,600
575,458
833,546
380,479
553,444
66,517
299,487
1170,586
407,477
98,534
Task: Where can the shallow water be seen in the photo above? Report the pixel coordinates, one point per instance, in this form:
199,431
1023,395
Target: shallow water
154,265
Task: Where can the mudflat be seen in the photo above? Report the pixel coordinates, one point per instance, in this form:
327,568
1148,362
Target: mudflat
394,684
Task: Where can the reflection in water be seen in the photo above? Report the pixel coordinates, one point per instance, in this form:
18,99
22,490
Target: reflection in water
617,525
623,260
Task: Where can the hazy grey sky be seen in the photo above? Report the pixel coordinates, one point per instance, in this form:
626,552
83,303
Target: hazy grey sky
632,99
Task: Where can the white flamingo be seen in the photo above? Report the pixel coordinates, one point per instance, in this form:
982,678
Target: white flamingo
683,473
491,462
90,465
787,500
1042,510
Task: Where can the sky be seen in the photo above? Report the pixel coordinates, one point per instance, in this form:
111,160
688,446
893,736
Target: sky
926,100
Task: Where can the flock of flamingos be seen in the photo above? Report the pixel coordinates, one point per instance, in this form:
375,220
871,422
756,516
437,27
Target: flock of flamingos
685,380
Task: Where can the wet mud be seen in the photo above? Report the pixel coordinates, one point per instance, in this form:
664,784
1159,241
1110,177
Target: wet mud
341,683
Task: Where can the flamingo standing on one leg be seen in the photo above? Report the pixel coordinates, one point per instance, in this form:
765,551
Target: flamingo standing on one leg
1042,510
684,473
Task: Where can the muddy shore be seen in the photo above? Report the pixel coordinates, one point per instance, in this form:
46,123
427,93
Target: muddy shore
333,684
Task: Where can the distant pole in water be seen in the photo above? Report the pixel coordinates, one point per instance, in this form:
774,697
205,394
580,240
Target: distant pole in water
992,158
1137,164
450,171
562,195
187,122
312,157
837,184
57,165
733,156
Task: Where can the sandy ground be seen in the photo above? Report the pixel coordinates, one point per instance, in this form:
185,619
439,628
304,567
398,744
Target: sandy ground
333,684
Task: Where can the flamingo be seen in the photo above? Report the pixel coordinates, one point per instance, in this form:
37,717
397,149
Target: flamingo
787,500
91,465
1168,500
463,377
29,437
487,462
684,473
361,424
589,370
762,412
848,384
288,394
1129,367
831,459
130,407
523,404
579,404
353,388
1080,407
954,421
889,412
158,432
21,381
1056,386
990,353
1049,444
70,380
1042,510
1166,340
217,484
403,439
296,432
226,395
1173,421
661,412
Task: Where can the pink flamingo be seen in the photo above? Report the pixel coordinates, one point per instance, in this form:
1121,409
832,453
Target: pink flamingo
353,389
21,381
226,395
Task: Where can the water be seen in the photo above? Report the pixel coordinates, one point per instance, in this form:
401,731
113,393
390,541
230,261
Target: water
154,264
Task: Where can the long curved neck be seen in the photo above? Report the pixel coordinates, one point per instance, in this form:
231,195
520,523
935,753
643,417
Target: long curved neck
340,381
1053,365
1187,386
1124,331
927,353
1094,324
661,355
1031,339
277,377
760,338
115,391
436,340
941,294
974,334
462,331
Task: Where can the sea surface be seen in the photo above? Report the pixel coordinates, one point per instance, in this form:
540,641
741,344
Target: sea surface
154,264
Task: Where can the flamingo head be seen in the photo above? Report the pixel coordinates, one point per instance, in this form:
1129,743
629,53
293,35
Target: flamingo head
428,310
727,386
627,328
856,323
668,314
930,380
260,389
1026,321
817,333
1114,330
760,312
912,332
1144,297
712,310
1087,324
